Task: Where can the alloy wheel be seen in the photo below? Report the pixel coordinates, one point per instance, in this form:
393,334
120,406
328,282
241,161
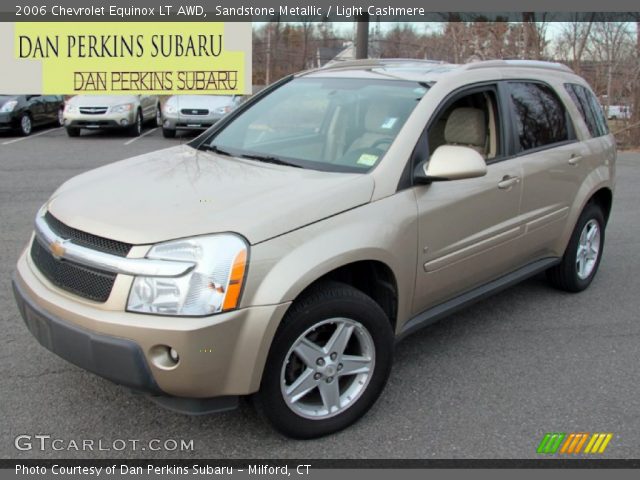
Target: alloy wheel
327,368
588,249
25,124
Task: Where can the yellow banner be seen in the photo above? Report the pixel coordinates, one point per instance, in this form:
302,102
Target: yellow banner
137,57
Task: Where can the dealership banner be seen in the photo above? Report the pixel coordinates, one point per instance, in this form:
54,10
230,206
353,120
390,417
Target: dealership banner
125,58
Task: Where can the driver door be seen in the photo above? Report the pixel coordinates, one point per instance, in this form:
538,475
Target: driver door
467,228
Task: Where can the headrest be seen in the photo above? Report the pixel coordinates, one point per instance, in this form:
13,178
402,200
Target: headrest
466,126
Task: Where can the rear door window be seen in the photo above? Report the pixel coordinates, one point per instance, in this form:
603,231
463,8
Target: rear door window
540,118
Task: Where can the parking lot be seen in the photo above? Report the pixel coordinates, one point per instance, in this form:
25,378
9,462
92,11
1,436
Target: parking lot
486,383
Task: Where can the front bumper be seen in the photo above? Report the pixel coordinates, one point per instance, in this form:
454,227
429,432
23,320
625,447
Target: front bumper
113,358
220,355
106,120
189,122
8,121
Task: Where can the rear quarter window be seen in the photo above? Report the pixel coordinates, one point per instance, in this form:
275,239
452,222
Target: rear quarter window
589,109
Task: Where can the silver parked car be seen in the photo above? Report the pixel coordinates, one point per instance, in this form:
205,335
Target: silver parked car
194,112
93,112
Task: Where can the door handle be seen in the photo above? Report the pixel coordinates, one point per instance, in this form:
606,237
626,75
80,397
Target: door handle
508,181
575,159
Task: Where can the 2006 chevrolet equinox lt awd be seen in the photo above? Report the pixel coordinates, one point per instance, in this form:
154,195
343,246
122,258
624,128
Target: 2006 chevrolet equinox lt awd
283,252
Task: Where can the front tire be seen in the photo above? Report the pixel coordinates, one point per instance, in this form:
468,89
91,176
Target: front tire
135,130
73,132
582,257
328,363
25,127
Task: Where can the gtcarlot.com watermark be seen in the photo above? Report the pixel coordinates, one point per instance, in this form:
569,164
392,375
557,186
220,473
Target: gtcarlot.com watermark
45,443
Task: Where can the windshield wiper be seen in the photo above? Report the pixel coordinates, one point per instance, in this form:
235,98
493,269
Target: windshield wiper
215,149
250,156
269,159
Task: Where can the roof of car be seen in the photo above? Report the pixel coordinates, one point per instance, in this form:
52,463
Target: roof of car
427,70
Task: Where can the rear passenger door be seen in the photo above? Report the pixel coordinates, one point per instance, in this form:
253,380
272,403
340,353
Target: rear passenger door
553,164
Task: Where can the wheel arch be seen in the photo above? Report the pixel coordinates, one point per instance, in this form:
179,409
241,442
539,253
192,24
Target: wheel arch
596,188
604,199
372,277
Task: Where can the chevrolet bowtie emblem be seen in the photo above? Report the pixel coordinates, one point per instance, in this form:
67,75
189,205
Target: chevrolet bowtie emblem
57,249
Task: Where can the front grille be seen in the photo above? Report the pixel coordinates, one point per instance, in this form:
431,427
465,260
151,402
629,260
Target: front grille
86,282
88,240
93,110
194,111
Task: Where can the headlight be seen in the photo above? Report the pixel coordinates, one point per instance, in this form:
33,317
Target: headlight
213,286
8,106
223,110
68,108
170,108
127,107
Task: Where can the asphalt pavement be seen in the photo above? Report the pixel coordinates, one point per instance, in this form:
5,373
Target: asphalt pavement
488,382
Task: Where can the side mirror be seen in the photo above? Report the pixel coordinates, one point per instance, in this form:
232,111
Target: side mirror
451,162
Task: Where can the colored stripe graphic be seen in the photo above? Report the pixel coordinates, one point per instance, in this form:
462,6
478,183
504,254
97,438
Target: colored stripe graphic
598,443
550,443
573,442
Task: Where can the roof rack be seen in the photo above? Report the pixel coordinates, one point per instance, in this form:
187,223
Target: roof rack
375,62
518,63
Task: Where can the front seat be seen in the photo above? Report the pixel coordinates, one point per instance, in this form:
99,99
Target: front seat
381,124
467,127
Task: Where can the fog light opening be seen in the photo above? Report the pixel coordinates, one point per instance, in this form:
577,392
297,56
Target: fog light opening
164,357
124,123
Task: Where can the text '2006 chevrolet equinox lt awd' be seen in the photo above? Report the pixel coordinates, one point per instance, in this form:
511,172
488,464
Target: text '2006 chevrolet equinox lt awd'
284,251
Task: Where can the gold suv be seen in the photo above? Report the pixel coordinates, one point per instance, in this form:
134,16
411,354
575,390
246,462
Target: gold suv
286,250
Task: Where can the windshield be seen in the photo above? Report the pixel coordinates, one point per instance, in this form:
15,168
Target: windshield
333,124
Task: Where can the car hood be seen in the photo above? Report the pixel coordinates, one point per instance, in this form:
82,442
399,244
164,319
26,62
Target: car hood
101,100
181,192
6,98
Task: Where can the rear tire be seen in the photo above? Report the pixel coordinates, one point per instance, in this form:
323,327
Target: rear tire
73,132
582,257
168,133
353,339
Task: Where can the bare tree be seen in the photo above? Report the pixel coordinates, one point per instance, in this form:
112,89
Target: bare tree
611,46
574,38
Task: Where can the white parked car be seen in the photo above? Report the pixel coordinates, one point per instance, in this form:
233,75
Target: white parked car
618,112
194,112
93,112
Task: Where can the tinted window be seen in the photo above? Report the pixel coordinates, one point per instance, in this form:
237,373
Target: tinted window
589,109
598,113
583,107
540,117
